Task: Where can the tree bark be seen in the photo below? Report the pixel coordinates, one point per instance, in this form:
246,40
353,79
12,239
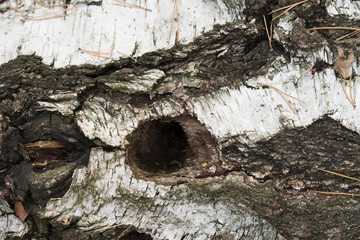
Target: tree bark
198,141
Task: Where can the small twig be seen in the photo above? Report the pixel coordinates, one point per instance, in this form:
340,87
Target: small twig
125,4
353,33
347,96
288,103
38,18
338,174
288,8
2,170
334,28
126,55
15,8
281,94
337,193
115,226
264,84
268,35
138,51
124,232
43,5
177,26
96,54
172,21
351,96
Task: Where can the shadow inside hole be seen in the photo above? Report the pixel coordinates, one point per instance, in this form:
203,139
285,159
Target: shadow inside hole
159,146
173,151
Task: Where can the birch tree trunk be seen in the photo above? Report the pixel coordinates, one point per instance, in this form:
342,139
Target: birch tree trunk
179,119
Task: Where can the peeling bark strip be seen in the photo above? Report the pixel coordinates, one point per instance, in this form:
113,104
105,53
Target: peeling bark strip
190,142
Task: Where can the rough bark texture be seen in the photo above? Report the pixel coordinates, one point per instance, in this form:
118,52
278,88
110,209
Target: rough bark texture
185,141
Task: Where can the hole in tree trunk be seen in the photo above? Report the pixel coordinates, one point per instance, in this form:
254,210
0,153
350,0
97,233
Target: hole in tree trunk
172,150
161,146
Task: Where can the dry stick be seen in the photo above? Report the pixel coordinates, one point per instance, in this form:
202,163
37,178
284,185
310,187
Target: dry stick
172,21
336,28
2,170
57,16
127,229
268,35
265,84
177,21
125,4
338,174
89,51
288,103
96,54
351,96
15,8
115,226
288,8
281,94
124,232
271,30
337,193
38,18
347,96
285,7
134,6
138,51
126,55
46,0
43,5
353,33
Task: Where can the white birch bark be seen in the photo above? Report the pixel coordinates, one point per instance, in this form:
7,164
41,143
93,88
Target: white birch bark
107,191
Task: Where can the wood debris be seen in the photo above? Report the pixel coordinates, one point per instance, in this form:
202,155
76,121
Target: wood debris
9,183
282,93
175,12
126,4
97,54
353,33
138,51
342,66
50,6
57,14
126,55
337,193
20,211
340,175
285,10
131,222
14,8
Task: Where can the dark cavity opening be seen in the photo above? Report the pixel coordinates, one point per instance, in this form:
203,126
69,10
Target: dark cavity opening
173,151
159,146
